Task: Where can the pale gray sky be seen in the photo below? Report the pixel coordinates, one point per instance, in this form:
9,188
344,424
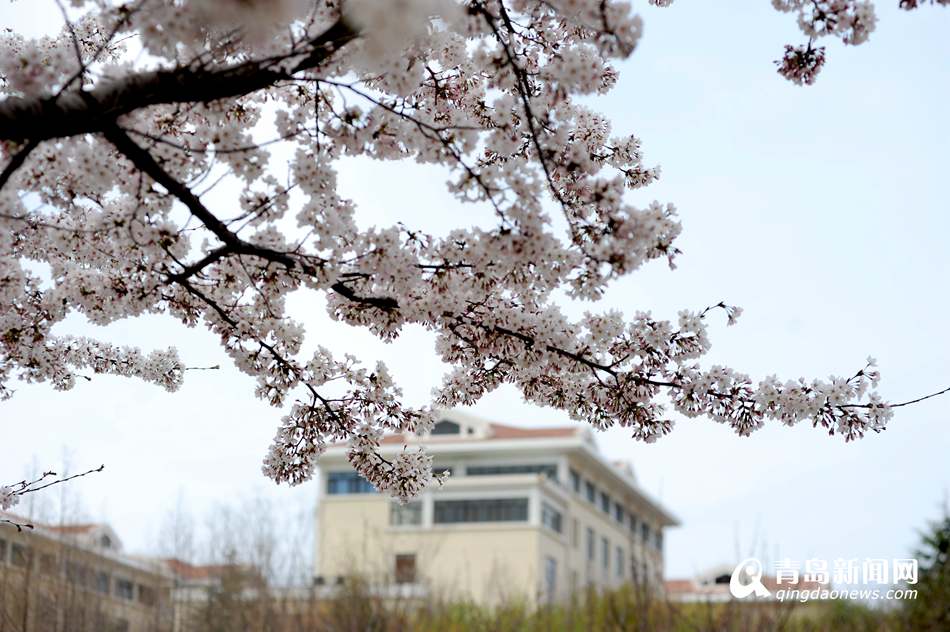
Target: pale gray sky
822,211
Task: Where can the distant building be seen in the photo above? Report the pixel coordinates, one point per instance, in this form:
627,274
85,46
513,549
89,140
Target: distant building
201,594
536,513
76,578
713,586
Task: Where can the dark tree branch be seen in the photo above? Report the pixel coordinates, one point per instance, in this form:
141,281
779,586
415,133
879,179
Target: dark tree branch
233,244
16,161
33,487
88,111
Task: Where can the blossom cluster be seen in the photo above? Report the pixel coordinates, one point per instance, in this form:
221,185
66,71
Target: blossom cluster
8,498
46,65
106,183
909,5
851,21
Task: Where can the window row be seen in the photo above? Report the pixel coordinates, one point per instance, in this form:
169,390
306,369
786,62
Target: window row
618,558
350,482
480,510
548,469
588,490
76,573
476,510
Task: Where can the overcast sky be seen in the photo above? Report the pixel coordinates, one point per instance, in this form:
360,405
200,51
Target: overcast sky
822,211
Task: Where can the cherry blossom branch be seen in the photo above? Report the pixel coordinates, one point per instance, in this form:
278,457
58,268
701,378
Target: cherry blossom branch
144,161
493,92
905,403
84,111
434,131
233,244
10,494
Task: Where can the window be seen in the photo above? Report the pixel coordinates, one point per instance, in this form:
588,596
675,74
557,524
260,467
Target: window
645,532
3,550
590,491
605,503
548,469
105,542
576,533
550,577
605,552
20,555
102,582
78,574
575,481
348,483
124,589
619,561
48,564
618,512
551,518
436,471
632,518
147,595
446,427
481,510
591,545
405,571
405,515
659,540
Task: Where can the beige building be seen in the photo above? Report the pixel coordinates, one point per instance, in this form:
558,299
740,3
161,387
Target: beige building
536,514
75,578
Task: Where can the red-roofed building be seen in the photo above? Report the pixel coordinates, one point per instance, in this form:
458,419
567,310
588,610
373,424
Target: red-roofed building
713,586
535,512
196,584
76,577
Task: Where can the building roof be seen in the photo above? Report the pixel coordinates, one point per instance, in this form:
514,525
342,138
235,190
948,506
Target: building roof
97,538
501,431
184,570
680,585
491,431
708,589
82,530
204,575
470,433
73,529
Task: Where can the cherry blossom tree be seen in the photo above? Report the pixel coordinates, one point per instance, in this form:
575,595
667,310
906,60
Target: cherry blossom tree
111,131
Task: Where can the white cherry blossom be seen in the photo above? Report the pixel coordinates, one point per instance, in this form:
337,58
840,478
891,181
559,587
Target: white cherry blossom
105,151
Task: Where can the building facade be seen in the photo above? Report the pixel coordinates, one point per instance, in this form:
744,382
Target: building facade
75,578
526,513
